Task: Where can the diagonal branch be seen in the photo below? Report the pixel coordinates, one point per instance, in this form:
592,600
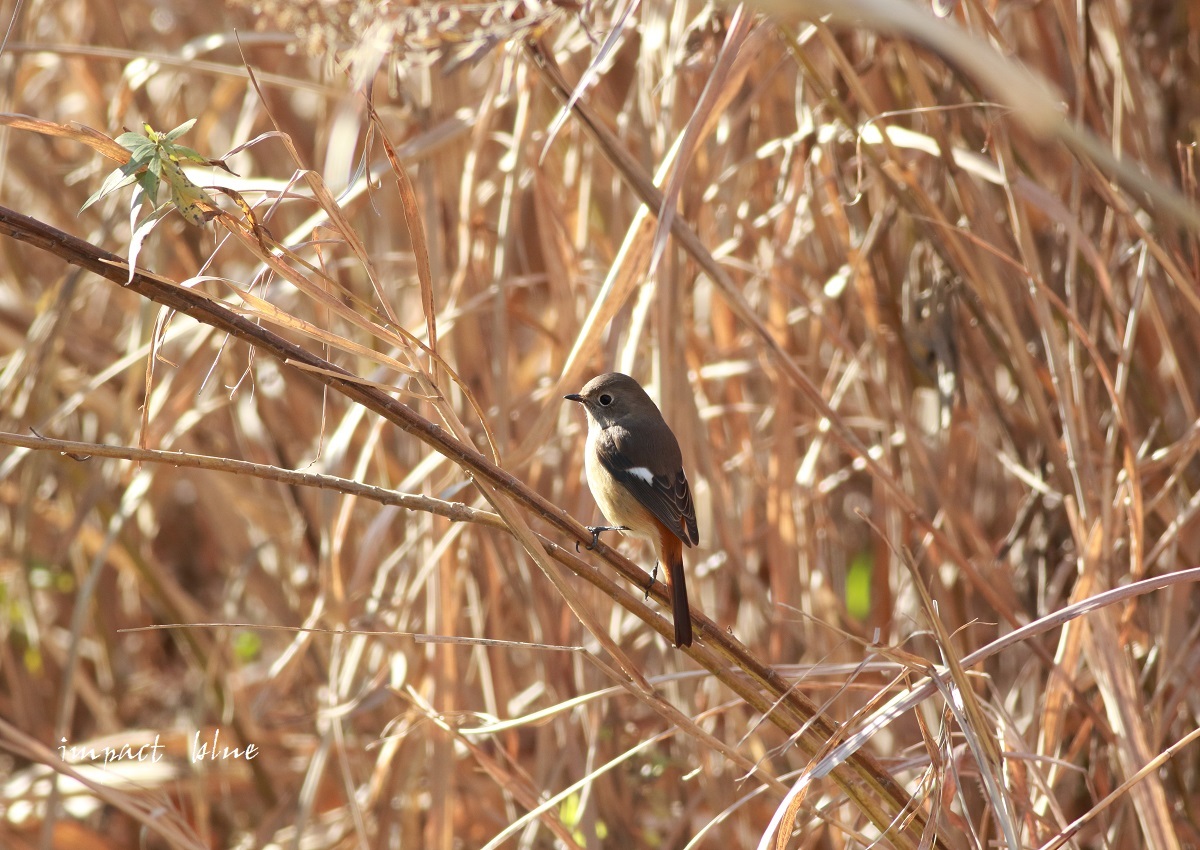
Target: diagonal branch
862,778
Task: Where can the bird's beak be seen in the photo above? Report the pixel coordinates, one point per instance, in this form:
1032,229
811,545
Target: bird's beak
574,397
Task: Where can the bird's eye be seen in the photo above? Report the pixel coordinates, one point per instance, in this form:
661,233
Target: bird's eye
605,399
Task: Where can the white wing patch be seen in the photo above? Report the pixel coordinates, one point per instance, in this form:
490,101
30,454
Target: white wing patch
642,473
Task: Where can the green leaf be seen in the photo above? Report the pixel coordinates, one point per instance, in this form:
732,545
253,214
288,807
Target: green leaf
115,180
143,153
858,586
179,152
570,812
247,646
186,195
140,232
129,140
149,182
179,131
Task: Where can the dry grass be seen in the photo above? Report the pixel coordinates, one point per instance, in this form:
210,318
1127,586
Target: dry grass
930,325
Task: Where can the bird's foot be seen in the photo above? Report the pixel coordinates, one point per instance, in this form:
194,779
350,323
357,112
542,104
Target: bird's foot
596,531
653,578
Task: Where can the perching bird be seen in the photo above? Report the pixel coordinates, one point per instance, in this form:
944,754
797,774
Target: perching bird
635,472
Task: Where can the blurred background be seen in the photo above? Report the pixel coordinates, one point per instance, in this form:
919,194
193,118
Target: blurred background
998,341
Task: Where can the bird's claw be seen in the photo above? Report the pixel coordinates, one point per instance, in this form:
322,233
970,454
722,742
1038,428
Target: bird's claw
596,530
650,586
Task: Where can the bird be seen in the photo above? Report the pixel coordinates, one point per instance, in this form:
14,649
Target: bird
635,472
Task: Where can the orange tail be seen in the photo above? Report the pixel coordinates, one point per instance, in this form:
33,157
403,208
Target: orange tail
672,558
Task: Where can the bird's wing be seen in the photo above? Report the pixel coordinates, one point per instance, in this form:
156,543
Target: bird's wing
667,496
